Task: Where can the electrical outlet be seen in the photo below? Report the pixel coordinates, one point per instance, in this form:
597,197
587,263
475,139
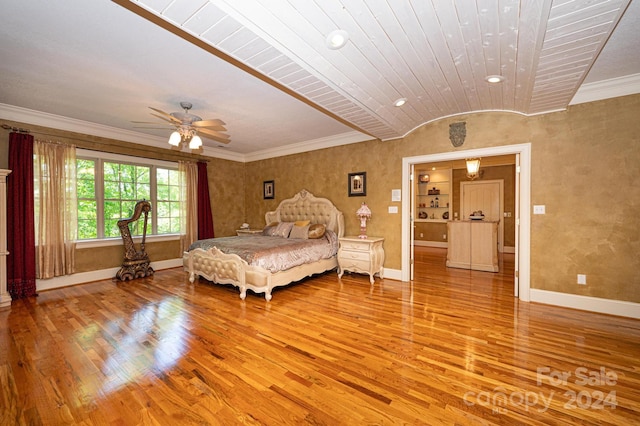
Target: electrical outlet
582,279
421,235
444,236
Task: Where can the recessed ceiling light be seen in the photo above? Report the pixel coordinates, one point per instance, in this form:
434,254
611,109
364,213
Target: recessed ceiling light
400,102
337,39
494,79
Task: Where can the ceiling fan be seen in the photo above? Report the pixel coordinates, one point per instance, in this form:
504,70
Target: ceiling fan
187,126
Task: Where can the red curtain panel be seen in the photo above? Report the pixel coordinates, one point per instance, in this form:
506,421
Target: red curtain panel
21,261
205,218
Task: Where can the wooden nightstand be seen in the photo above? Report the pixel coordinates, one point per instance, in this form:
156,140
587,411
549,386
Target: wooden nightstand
241,232
365,256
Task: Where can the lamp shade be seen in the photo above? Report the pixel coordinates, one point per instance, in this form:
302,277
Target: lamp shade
175,139
195,142
364,211
473,167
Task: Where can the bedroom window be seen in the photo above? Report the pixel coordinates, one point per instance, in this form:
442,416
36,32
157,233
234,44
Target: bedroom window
110,185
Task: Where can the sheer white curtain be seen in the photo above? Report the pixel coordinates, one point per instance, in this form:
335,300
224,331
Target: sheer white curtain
55,208
188,207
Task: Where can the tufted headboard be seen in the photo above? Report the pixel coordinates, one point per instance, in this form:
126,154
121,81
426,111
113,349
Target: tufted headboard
304,206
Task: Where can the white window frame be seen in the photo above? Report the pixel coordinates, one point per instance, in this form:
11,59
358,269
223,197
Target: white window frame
85,154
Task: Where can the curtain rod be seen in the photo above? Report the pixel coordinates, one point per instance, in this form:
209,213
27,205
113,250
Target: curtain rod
15,129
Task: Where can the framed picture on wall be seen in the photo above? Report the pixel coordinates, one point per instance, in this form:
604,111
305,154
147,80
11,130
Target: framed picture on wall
269,189
357,184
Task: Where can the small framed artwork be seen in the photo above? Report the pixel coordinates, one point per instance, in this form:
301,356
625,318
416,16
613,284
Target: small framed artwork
357,184
269,189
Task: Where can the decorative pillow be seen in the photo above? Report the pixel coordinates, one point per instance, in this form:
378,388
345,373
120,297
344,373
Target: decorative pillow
270,229
316,230
300,232
301,222
283,229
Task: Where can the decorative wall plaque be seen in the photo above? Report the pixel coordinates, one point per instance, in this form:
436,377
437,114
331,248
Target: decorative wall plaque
457,133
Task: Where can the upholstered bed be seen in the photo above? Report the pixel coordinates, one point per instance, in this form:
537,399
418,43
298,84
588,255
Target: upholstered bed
206,260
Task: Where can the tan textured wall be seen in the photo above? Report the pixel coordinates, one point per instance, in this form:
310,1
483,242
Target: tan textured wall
226,189
585,169
431,231
95,259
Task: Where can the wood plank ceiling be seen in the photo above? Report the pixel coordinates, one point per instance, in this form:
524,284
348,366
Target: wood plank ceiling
436,54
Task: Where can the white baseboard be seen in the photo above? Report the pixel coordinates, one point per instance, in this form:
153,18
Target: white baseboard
586,303
393,274
424,243
103,274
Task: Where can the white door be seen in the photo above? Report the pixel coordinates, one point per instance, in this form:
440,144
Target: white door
487,196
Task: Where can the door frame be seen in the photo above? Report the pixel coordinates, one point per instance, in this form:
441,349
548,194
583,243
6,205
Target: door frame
522,285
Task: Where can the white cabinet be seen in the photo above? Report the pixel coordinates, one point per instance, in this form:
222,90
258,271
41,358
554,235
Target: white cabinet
363,255
5,298
473,244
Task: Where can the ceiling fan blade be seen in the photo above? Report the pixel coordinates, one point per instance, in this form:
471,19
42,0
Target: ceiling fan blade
167,116
217,136
218,128
173,121
153,128
144,122
208,123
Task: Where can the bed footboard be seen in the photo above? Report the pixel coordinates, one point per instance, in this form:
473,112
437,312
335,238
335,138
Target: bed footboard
222,268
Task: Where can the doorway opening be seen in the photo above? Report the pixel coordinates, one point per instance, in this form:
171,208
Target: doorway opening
522,213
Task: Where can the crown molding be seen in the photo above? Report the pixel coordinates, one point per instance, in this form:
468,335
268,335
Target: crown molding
605,89
311,145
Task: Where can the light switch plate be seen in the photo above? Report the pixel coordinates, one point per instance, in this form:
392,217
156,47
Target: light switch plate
539,209
393,209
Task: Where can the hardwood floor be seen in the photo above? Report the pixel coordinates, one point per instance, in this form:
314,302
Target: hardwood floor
452,347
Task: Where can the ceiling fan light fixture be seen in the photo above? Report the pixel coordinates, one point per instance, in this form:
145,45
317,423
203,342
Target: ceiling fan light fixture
175,139
494,79
337,39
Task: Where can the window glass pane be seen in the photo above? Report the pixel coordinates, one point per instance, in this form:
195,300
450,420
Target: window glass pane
111,229
163,192
144,191
87,229
175,209
111,171
112,210
87,209
174,193
143,174
162,176
128,190
127,173
86,188
164,226
163,209
111,189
